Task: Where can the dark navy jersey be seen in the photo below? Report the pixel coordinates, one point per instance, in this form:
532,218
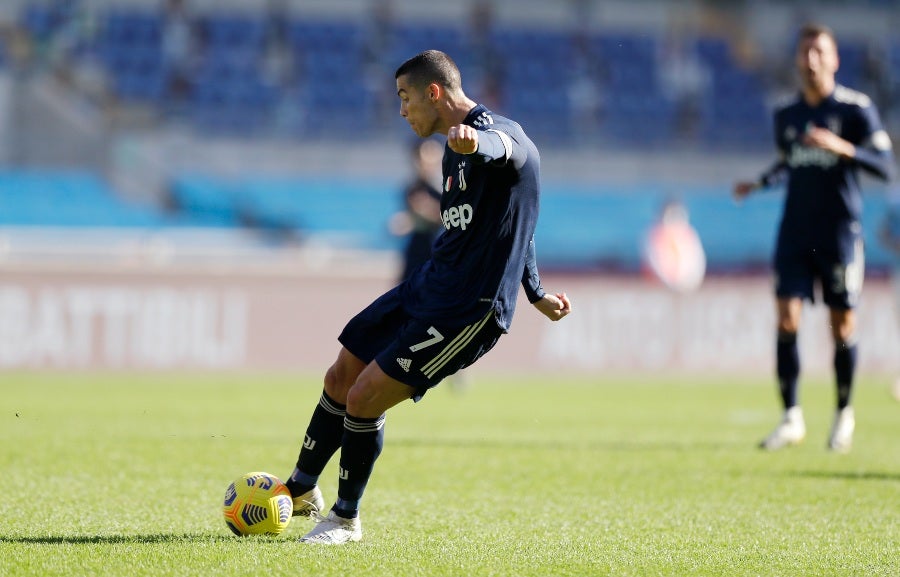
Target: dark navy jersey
824,204
489,209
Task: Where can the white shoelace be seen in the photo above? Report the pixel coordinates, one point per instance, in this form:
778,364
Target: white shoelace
316,516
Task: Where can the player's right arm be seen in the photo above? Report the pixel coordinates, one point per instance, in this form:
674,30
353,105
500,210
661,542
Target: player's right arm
490,146
776,174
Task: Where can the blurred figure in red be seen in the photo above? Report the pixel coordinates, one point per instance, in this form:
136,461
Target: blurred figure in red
673,252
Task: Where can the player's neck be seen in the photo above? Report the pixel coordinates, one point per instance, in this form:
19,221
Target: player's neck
815,94
459,108
457,111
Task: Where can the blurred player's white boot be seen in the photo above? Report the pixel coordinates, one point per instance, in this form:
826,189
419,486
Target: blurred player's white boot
790,431
333,530
308,502
841,438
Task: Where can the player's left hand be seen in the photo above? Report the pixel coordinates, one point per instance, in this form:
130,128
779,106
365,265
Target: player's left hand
554,306
826,140
743,188
462,139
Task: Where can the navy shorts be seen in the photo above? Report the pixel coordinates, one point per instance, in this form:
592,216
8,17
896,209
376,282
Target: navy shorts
415,352
839,274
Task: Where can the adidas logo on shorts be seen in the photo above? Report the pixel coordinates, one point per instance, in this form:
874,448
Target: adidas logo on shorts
404,364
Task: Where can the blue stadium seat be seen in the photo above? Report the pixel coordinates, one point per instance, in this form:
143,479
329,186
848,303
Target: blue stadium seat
68,199
235,31
853,63
325,35
130,46
43,19
206,201
355,213
409,39
534,83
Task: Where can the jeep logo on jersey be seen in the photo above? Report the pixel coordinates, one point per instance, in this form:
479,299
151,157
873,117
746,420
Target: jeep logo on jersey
808,156
457,216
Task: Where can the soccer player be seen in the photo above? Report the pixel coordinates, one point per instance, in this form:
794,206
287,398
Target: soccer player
450,312
420,219
824,137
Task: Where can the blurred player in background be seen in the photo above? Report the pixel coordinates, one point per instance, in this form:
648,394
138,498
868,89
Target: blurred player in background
824,137
672,250
420,221
889,235
450,312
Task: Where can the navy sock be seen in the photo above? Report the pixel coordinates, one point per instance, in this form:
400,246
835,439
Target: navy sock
361,445
844,369
323,438
788,366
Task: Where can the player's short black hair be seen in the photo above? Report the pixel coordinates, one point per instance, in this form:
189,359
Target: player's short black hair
814,30
431,66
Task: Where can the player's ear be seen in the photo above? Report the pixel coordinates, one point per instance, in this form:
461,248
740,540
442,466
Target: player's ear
433,92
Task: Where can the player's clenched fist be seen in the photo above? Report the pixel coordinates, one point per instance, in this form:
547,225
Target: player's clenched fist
462,139
554,306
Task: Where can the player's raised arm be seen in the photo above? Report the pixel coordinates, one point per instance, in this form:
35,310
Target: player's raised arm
462,139
489,145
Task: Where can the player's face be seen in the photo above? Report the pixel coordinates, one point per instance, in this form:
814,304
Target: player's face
817,62
417,107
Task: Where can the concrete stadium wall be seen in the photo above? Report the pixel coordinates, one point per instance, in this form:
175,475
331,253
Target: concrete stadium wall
220,320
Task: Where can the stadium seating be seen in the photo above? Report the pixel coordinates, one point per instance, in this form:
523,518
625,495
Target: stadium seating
234,92
69,199
129,45
231,92
893,66
581,227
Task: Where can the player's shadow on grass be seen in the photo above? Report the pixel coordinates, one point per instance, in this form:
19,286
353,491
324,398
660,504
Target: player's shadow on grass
848,475
628,446
115,539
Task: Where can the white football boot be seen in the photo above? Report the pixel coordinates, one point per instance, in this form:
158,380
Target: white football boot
308,502
790,431
333,530
841,438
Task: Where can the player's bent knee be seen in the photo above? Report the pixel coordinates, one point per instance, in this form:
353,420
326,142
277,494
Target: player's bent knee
374,393
341,376
788,326
364,400
843,326
333,385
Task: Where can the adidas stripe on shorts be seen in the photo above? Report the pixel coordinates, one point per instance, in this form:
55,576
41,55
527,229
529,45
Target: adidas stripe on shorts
417,353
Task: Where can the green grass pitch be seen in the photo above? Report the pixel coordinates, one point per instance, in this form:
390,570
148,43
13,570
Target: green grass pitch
124,475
